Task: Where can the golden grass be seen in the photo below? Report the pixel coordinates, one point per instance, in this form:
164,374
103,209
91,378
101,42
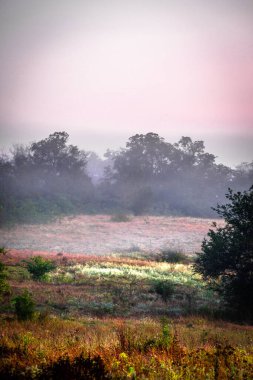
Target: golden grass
111,286
194,348
106,307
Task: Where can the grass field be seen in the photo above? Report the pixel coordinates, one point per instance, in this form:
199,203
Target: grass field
187,348
117,286
127,315
101,235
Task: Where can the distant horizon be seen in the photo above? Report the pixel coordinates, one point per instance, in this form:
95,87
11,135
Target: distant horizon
230,150
104,71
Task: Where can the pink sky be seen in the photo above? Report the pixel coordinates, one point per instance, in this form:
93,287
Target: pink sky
105,70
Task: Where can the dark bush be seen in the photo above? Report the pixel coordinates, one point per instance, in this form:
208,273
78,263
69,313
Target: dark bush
4,286
120,218
165,289
78,369
171,256
24,306
39,267
226,259
14,372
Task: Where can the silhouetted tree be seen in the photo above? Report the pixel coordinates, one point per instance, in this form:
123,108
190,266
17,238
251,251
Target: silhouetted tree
146,156
243,176
151,175
226,259
54,155
46,178
136,168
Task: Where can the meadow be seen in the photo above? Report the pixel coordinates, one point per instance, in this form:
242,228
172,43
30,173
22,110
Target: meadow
126,315
102,235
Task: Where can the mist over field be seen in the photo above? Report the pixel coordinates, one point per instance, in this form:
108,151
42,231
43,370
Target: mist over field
151,176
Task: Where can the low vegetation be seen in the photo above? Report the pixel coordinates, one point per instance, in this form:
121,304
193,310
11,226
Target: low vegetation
24,306
172,256
133,317
120,218
4,286
91,348
117,318
38,267
116,286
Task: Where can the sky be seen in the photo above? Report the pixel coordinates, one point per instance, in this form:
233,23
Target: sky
104,70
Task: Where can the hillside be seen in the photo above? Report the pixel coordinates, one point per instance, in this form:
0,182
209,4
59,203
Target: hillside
128,314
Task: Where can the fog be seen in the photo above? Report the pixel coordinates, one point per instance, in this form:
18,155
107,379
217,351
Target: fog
149,176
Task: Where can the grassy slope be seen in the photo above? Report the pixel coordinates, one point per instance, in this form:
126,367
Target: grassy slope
116,286
107,306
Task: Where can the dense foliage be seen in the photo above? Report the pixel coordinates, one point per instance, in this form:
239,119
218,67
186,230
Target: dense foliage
226,259
49,178
39,267
153,176
4,287
24,306
43,180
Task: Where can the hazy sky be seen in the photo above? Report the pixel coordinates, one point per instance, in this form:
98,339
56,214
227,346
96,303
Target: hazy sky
105,70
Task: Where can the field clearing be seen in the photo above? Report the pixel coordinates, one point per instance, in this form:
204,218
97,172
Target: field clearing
99,235
111,286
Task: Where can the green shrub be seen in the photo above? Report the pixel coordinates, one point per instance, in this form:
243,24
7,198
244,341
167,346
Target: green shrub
17,273
24,306
120,218
166,336
39,267
163,340
171,256
4,286
226,257
3,250
165,289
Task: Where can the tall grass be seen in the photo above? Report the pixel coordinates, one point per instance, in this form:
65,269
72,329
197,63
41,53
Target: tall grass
100,318
190,348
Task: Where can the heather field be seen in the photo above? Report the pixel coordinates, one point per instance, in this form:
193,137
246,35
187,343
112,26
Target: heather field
113,307
100,234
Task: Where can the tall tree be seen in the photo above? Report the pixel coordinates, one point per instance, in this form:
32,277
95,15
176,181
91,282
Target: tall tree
54,155
145,157
46,178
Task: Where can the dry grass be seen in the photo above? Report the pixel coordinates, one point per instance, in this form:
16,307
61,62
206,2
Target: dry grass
99,235
106,306
189,348
116,286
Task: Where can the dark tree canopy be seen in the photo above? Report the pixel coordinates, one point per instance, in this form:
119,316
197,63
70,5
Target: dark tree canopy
226,259
145,157
54,155
46,178
150,175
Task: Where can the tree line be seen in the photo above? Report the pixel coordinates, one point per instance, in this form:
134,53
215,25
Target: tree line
51,177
